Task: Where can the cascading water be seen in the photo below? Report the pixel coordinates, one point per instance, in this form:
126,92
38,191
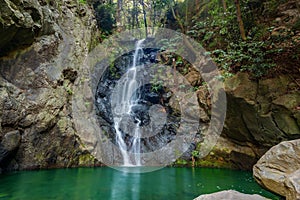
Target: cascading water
127,99
135,116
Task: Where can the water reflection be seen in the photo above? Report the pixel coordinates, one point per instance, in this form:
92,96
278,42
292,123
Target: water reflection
109,184
125,185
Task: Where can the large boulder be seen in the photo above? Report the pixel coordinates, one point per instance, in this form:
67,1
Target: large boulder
279,169
293,185
230,194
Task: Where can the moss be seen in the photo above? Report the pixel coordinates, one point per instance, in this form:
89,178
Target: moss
260,31
217,158
40,157
86,160
206,162
213,163
82,1
181,162
67,86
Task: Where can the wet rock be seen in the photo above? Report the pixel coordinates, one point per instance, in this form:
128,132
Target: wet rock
140,114
152,113
278,169
9,143
230,194
152,97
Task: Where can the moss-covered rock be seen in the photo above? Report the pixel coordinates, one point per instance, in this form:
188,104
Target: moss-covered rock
86,160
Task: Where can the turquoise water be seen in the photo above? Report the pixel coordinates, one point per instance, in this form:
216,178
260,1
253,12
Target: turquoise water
106,183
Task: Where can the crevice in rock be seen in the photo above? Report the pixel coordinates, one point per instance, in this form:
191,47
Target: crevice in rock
248,130
276,125
70,74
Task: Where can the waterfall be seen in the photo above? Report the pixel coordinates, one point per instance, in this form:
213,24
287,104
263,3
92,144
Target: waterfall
128,97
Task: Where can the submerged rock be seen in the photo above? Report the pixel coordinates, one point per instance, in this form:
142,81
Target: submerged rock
230,194
279,169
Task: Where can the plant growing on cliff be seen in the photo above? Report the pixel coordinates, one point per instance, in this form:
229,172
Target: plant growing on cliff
105,18
68,88
195,155
249,56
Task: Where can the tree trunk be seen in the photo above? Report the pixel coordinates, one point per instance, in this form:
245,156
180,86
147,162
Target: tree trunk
154,18
239,19
118,16
134,15
224,5
197,5
145,19
186,11
178,20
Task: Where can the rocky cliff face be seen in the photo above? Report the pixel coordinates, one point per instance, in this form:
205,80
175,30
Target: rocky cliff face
42,48
260,114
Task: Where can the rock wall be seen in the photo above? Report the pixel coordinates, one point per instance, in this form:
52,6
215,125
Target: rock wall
43,45
42,48
260,114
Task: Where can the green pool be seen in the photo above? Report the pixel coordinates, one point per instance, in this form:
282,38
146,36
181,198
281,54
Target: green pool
106,183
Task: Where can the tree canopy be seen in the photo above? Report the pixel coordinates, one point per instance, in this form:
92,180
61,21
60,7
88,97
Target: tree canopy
240,35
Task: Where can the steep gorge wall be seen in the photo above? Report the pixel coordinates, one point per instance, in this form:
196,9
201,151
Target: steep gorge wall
43,45
263,112
260,114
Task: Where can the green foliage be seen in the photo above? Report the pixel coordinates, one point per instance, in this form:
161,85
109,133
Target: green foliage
218,32
195,153
251,56
68,89
271,7
105,17
156,81
170,44
219,27
155,87
181,162
82,1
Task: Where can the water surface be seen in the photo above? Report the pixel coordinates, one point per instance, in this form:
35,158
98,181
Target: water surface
106,183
